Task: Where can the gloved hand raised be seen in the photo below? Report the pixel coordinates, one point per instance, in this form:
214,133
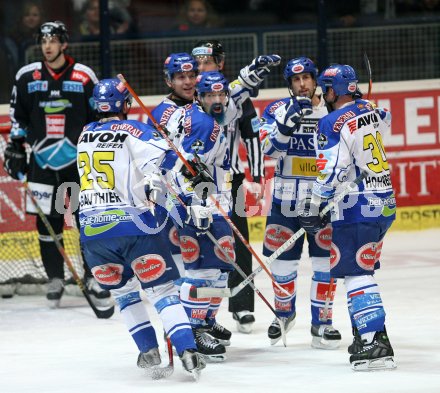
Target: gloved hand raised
15,158
288,117
253,74
199,216
153,186
310,219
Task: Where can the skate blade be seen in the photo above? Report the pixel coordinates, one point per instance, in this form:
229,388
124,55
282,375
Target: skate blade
53,304
385,363
215,358
321,343
273,341
225,343
157,372
195,374
245,328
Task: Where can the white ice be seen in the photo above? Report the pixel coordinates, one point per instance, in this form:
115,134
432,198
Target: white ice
69,350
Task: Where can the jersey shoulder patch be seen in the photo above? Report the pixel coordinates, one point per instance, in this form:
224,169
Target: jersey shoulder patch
82,71
28,68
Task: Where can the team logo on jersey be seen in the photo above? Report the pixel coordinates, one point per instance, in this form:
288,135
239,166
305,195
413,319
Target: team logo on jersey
323,238
36,75
335,255
108,274
322,141
227,245
189,248
367,255
276,235
173,236
149,267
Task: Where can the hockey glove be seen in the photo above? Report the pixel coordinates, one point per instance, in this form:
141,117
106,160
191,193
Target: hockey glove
252,76
310,219
202,181
199,217
15,158
153,186
289,116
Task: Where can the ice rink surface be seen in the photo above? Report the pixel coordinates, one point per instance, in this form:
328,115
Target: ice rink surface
69,350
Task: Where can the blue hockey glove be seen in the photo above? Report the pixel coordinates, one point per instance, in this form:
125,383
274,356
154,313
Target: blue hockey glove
265,61
310,219
15,161
289,116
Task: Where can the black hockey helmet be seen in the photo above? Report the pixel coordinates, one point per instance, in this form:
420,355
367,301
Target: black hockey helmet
49,29
209,48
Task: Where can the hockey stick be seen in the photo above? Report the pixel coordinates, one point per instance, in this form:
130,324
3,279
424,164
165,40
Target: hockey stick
101,314
369,73
232,292
328,297
163,131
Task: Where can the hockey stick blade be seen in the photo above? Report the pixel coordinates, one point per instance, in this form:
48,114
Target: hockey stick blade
203,292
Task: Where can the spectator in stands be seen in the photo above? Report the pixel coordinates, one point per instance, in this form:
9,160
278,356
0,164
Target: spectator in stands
121,21
197,14
8,65
26,27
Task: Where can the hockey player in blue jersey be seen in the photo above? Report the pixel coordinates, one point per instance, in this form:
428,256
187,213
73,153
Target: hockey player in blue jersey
349,142
123,245
176,113
287,132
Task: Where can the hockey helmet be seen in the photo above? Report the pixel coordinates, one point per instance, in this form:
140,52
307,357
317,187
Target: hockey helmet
50,29
209,48
110,95
211,82
178,62
299,65
341,78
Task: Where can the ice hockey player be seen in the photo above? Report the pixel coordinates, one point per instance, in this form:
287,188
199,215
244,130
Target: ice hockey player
117,166
210,56
349,143
176,113
288,131
51,101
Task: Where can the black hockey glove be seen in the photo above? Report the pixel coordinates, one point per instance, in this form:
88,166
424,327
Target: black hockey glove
310,219
202,181
289,116
15,158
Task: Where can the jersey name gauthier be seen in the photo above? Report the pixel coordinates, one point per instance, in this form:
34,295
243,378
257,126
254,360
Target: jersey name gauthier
98,198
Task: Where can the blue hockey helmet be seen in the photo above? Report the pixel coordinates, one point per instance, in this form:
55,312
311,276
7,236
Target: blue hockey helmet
56,28
110,95
211,82
178,62
299,65
341,78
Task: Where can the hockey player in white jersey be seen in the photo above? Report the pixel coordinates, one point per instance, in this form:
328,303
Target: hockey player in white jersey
178,112
123,245
349,142
287,134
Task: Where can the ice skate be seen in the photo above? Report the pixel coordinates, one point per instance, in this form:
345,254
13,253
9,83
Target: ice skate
193,362
245,320
357,343
150,362
377,355
101,297
55,289
274,331
220,333
210,348
325,337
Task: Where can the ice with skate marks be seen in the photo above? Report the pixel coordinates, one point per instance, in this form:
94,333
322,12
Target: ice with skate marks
157,372
385,363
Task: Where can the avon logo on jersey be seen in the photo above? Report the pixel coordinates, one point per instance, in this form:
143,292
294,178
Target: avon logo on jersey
35,86
370,118
80,76
55,126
